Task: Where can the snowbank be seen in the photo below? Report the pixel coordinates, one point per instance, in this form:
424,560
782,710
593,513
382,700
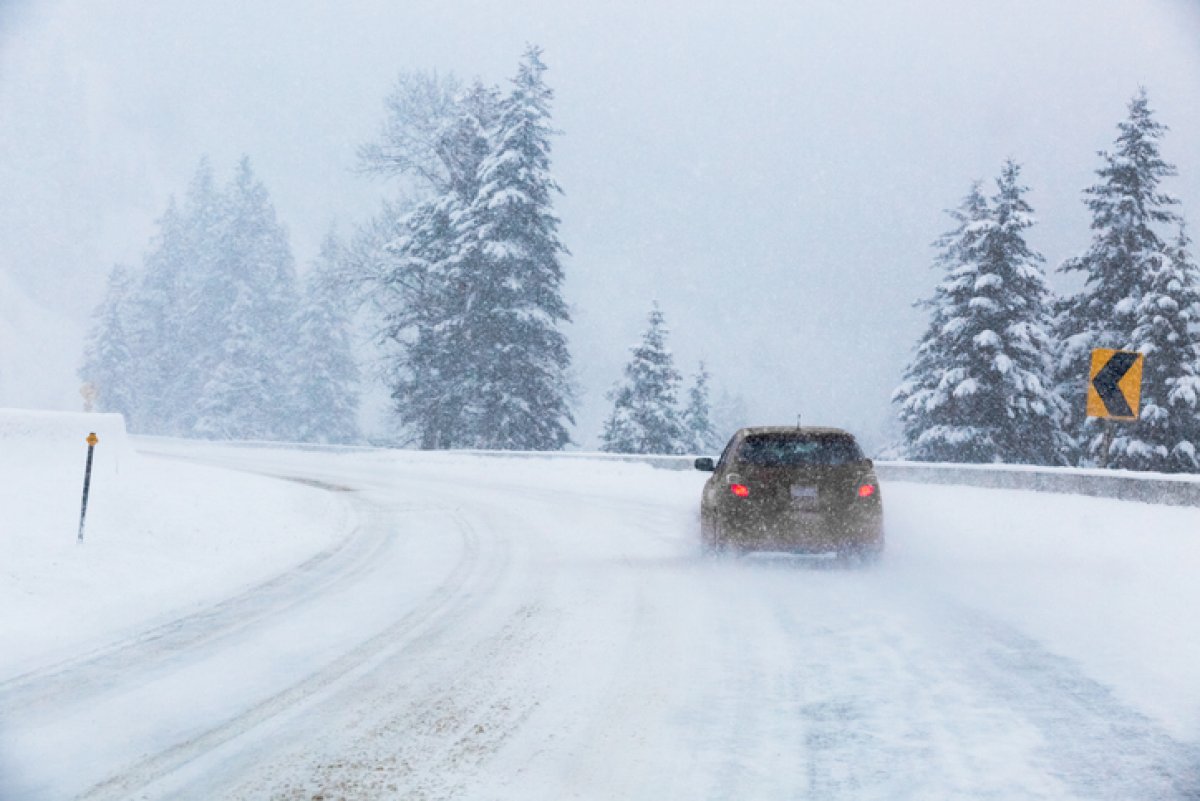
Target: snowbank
43,454
162,538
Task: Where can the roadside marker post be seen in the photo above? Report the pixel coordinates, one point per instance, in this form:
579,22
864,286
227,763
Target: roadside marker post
92,439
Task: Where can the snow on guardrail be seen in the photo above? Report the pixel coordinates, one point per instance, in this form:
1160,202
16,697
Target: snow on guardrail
1126,485
1162,488
666,462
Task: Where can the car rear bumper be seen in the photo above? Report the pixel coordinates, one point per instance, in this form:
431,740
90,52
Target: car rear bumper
799,533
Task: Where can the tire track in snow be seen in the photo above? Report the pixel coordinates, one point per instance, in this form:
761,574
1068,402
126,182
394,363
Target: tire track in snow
942,699
410,632
431,745
416,727
755,745
1074,713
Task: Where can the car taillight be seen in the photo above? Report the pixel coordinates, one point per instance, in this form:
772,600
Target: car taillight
740,490
866,490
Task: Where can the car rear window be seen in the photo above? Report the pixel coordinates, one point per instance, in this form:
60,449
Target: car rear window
797,450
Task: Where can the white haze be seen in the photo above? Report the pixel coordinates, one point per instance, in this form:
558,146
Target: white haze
771,172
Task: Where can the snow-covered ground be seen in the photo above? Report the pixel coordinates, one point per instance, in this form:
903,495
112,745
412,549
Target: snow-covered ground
162,538
540,628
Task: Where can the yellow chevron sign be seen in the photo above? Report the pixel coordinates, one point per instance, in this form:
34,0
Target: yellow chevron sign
1115,388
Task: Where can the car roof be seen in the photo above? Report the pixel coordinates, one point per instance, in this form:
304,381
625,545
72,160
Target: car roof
810,430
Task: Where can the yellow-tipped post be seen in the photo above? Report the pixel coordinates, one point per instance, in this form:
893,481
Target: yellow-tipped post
92,439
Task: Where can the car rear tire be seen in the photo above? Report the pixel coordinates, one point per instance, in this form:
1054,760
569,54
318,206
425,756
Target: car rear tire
712,544
860,557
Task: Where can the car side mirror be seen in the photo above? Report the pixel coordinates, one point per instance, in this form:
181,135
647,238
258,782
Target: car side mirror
705,463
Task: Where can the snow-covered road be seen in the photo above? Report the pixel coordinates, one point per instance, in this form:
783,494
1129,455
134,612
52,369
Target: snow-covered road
518,629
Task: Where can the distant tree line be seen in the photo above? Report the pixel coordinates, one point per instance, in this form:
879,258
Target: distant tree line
461,273
1001,372
214,336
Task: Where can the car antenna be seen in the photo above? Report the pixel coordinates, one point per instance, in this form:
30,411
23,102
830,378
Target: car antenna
798,422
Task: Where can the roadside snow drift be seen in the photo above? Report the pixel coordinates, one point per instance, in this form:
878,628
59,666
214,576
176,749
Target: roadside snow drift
160,536
42,455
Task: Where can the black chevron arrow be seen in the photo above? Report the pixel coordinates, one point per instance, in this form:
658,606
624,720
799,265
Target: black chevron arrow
1107,379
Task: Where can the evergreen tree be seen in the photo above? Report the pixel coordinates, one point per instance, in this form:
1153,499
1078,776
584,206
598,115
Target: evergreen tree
108,361
472,294
644,417
326,374
207,322
1167,434
187,302
248,301
701,435
508,275
437,135
1125,258
934,427
980,387
425,282
165,340
234,396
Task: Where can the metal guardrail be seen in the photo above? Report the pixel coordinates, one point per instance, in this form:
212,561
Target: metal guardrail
1173,490
1161,488
662,461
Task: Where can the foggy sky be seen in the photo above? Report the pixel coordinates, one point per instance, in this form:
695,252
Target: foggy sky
772,173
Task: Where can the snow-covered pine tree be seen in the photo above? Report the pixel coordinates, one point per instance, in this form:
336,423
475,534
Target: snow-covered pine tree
644,417
507,273
934,425
325,373
234,397
426,377
435,135
108,360
980,388
167,340
1167,434
270,268
207,321
1122,261
701,435
471,287
1031,413
425,278
248,302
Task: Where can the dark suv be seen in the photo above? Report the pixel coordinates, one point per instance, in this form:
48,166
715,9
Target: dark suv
804,490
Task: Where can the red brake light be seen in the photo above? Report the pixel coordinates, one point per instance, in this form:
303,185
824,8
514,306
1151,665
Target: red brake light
740,490
866,490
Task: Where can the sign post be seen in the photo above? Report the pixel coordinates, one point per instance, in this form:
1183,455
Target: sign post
92,439
89,393
1114,390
